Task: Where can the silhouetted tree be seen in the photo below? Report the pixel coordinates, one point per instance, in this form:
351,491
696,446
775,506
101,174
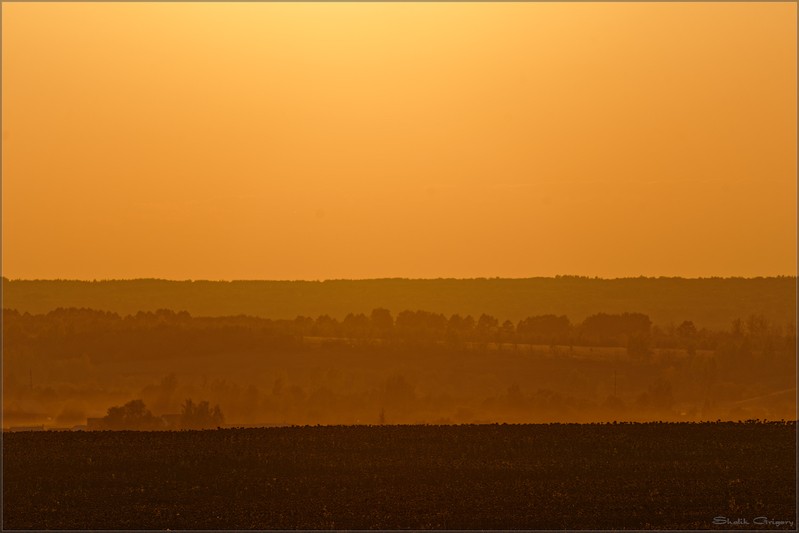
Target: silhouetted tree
200,415
325,326
507,332
355,326
382,322
460,328
303,325
487,327
687,334
132,415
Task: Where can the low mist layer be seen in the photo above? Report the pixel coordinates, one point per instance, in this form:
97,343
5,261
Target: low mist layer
71,365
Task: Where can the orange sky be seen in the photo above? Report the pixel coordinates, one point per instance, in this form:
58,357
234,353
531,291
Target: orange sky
315,141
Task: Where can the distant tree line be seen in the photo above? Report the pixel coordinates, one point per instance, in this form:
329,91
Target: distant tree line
713,302
71,332
634,331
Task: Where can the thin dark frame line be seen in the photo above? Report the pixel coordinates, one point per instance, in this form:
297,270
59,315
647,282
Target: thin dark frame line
401,1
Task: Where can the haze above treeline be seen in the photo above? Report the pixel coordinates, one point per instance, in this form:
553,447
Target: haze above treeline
708,302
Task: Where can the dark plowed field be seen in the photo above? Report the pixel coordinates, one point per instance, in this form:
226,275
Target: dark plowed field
666,476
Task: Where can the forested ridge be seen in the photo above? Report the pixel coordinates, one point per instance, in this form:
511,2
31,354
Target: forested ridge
707,302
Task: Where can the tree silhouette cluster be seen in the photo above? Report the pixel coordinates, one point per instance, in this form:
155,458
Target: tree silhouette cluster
134,415
200,415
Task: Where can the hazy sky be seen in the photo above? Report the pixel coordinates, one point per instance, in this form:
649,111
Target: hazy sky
313,141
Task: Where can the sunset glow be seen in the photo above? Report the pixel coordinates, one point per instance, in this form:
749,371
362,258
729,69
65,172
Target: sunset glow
318,141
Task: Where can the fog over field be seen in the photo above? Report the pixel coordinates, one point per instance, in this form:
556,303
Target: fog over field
70,364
